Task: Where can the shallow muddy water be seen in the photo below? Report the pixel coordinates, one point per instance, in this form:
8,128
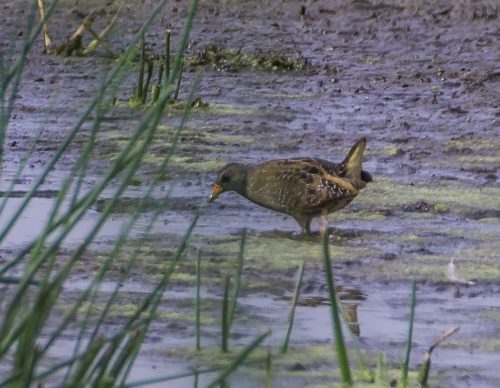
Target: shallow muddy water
420,82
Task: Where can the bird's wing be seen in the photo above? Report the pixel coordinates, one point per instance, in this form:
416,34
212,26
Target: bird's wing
289,184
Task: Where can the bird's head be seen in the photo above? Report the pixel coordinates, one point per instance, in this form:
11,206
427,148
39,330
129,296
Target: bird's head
231,177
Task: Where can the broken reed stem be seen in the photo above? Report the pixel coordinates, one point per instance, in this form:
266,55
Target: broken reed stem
95,43
47,40
86,24
148,81
225,315
167,58
99,39
296,294
178,87
423,373
198,304
140,81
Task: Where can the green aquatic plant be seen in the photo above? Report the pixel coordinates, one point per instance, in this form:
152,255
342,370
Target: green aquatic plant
295,298
234,60
406,363
345,370
24,330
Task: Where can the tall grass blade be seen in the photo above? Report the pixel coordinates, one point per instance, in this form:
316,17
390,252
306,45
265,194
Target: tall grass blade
345,371
406,363
112,78
240,359
225,315
291,316
239,272
198,301
26,326
269,370
179,79
382,371
196,379
85,363
142,63
148,81
167,58
153,300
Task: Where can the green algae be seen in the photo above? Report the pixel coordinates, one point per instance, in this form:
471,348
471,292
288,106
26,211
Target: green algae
127,310
280,253
441,208
369,60
313,366
362,214
192,164
291,96
491,314
476,144
480,159
455,196
478,264
392,150
222,59
490,345
194,149
231,110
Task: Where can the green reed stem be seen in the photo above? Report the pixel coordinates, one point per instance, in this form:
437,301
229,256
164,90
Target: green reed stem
167,58
156,89
225,314
406,364
291,316
237,286
345,371
148,81
198,304
240,359
112,79
142,62
178,87
269,370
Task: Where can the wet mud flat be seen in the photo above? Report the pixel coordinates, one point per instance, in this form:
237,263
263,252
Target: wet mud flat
421,82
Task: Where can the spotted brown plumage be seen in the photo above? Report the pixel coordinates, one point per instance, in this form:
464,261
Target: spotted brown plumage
303,188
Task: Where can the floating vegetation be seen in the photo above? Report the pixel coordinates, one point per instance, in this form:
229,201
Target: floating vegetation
222,59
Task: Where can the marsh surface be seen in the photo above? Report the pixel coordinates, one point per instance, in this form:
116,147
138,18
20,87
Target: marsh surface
421,83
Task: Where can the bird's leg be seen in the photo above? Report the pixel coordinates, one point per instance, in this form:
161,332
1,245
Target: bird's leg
323,223
305,223
306,230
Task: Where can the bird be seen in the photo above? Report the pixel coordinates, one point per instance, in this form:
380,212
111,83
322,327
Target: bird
303,188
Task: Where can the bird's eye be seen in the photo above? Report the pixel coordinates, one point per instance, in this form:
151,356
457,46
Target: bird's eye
225,179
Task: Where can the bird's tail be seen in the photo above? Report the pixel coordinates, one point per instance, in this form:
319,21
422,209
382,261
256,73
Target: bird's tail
353,160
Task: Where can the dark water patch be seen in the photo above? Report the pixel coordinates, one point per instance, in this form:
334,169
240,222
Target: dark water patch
36,194
484,214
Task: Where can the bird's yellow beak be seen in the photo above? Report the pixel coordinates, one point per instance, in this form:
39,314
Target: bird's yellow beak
216,191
